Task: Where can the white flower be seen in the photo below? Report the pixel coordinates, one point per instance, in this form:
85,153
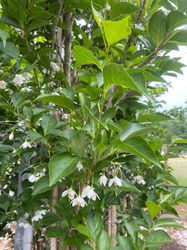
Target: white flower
11,193
3,85
115,181
139,180
55,67
32,178
139,26
70,193
65,116
92,195
19,79
89,192
103,180
26,144
107,7
27,76
38,215
79,166
26,89
11,136
78,201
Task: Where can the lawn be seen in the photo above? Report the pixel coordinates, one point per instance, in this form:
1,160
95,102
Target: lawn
179,166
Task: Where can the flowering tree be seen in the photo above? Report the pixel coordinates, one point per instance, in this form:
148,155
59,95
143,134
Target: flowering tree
80,139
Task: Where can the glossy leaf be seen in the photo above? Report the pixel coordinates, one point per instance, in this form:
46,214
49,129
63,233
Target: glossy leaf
157,238
4,36
41,186
175,19
125,243
153,208
157,27
60,166
58,100
116,30
10,49
104,242
134,129
139,147
116,74
84,56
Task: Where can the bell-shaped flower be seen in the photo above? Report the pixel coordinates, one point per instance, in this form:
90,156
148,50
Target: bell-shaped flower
78,201
79,166
115,181
70,193
89,192
103,180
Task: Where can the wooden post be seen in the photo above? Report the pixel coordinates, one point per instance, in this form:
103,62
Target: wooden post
112,227
54,241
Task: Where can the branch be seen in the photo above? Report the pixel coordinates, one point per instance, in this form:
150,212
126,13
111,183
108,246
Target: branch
137,21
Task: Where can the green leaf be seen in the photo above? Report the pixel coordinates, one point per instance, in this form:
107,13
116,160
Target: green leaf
54,232
175,19
128,187
95,226
83,230
121,9
153,208
4,36
58,100
153,117
157,238
116,30
60,166
139,147
5,148
10,49
48,124
79,142
48,219
41,186
37,23
92,116
180,37
166,222
104,242
179,141
125,243
98,17
157,27
116,74
84,56
134,129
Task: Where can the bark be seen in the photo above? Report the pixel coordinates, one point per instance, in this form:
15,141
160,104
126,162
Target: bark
112,226
68,18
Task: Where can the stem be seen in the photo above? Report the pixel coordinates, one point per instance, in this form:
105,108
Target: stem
54,241
112,227
137,21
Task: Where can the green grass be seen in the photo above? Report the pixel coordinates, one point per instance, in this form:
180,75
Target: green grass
179,166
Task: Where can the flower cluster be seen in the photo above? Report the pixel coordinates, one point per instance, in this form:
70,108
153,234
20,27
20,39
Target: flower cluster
33,178
138,179
3,85
38,215
79,200
115,181
20,79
